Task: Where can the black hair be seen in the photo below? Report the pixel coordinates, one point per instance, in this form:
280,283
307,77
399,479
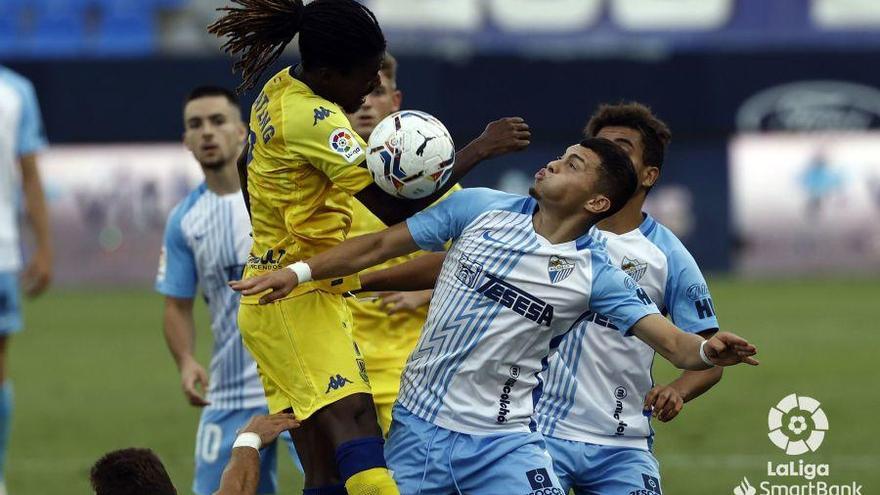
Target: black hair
131,472
337,34
617,175
203,91
655,133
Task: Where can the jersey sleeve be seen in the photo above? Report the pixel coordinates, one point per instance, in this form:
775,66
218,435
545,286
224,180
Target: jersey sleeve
177,276
31,137
432,228
331,146
687,297
617,296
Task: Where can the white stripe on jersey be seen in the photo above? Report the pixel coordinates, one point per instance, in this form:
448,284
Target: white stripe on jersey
597,382
215,232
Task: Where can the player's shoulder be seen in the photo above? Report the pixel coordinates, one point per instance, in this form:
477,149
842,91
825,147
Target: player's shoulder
310,114
486,199
667,242
17,83
185,205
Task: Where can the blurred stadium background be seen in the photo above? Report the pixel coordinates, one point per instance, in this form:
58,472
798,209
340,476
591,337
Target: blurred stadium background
772,181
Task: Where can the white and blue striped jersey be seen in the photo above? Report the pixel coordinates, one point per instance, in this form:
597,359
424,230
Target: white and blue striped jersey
207,241
504,298
21,133
596,384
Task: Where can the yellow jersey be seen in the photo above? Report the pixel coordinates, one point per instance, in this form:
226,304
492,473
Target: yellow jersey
384,340
304,166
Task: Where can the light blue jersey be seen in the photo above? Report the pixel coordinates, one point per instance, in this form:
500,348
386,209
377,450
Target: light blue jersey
206,245
596,384
504,299
21,133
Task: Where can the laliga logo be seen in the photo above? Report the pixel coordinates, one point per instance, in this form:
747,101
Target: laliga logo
797,424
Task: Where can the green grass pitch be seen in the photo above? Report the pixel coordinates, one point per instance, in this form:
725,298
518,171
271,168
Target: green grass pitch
91,374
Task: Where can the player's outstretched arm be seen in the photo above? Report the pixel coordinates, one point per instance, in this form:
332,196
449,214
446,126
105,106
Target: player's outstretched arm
418,274
692,352
347,258
666,401
242,473
500,137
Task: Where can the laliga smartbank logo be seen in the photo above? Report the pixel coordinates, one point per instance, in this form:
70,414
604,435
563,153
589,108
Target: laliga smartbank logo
797,426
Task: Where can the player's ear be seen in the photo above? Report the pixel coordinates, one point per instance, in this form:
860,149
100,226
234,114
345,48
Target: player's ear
597,204
396,100
649,176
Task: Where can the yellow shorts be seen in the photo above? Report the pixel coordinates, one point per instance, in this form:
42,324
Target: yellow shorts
386,386
304,351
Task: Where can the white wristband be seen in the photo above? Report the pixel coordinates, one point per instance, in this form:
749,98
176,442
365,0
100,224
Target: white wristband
703,355
248,439
302,270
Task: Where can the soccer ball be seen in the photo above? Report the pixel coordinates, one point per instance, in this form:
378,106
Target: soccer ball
410,154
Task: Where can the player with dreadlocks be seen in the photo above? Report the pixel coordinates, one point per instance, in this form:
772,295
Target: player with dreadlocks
303,166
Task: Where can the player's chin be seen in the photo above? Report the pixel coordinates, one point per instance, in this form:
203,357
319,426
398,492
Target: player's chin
353,107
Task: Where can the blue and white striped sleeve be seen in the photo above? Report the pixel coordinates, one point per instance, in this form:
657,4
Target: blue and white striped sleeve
177,275
432,228
617,296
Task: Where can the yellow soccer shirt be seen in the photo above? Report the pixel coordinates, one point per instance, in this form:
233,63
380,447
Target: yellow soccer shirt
303,170
384,340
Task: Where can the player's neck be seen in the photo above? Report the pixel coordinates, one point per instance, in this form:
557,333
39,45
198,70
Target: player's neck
627,219
559,227
222,181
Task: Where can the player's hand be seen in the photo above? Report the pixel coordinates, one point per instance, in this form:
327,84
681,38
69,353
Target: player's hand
396,302
727,349
269,427
504,136
664,401
194,382
37,275
281,282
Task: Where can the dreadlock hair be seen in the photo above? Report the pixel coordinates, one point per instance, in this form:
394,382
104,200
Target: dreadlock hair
259,30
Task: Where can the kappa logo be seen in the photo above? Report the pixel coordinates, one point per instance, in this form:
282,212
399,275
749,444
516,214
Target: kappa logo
321,113
559,269
337,382
634,268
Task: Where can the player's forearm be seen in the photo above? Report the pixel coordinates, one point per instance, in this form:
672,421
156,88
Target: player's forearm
35,205
180,332
680,348
242,474
418,274
359,253
692,384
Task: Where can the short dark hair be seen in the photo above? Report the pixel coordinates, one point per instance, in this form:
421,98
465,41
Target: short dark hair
617,175
203,91
389,67
131,472
655,133
339,34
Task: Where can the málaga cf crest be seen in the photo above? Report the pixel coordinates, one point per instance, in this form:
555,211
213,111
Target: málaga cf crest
559,269
634,268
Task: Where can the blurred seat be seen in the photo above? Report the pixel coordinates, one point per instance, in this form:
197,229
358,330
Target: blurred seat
58,32
125,32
